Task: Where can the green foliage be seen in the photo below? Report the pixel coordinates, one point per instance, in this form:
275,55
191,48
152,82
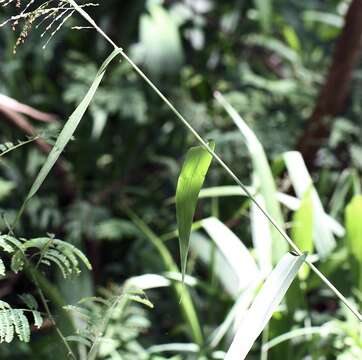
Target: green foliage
111,323
68,131
190,181
13,322
126,156
49,251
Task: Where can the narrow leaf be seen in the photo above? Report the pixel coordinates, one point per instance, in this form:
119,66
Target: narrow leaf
354,232
67,131
203,248
302,228
189,184
302,181
234,251
354,226
263,176
265,303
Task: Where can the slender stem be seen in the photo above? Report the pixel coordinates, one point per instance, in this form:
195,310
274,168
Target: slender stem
216,157
186,304
19,145
50,315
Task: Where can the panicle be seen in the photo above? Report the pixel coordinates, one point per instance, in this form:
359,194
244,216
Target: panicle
49,15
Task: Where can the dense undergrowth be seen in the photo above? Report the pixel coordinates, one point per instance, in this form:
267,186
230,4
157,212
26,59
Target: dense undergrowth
116,190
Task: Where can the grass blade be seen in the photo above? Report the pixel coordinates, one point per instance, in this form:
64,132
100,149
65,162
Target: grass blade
203,248
302,181
264,178
189,184
237,312
354,232
302,228
234,251
67,132
265,303
302,225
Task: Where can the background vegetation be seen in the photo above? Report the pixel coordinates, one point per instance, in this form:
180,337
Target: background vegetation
291,69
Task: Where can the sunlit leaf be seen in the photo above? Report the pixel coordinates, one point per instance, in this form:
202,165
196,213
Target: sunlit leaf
234,251
190,181
302,181
263,176
265,303
302,228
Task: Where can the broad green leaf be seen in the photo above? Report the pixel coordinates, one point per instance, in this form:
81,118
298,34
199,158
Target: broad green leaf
302,228
190,181
265,303
263,178
322,233
68,131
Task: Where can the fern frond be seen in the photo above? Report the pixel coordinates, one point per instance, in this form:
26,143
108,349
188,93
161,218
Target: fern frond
10,244
69,248
21,325
7,329
60,260
79,339
64,255
4,245
14,322
4,305
17,261
38,319
79,311
2,268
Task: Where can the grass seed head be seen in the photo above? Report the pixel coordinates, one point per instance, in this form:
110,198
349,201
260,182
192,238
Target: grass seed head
49,15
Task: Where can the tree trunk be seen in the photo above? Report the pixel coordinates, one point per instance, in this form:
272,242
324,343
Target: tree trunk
333,95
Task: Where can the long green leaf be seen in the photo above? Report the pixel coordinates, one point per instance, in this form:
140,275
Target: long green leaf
189,184
264,177
265,303
235,253
67,132
323,237
302,228
354,232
